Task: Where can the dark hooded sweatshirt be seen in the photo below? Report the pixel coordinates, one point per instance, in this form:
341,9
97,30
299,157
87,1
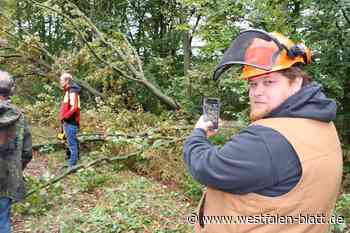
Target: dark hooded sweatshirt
15,151
258,159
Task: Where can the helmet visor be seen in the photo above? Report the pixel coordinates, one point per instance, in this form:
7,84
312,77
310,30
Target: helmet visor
254,48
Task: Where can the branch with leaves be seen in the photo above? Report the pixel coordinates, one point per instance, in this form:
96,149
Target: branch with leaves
37,61
96,137
125,52
345,16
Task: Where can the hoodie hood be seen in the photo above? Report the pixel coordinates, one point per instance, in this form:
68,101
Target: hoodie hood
8,114
73,87
309,102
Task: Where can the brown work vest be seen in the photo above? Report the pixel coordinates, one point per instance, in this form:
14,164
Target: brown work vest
318,148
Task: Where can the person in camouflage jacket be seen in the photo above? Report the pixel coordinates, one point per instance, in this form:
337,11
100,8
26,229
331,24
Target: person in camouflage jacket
15,151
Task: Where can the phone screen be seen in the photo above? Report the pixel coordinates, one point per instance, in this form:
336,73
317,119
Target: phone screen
211,110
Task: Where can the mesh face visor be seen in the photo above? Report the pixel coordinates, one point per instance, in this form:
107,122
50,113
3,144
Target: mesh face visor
254,48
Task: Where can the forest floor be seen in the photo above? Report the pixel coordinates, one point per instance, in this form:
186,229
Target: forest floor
106,198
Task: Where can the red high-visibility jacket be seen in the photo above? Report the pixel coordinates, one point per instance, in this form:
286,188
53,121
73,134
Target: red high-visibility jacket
70,105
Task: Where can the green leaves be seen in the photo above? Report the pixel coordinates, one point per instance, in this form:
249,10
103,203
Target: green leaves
41,202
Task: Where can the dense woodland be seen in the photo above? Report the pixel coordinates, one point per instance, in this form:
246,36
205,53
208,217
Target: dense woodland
144,67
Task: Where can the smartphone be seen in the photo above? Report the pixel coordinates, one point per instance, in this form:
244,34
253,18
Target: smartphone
211,110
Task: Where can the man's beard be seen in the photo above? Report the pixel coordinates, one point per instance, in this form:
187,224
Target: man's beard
258,114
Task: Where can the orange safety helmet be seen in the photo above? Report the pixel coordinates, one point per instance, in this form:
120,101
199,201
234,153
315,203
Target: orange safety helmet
260,53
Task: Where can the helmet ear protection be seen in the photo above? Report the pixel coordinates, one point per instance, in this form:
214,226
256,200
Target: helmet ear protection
296,50
299,50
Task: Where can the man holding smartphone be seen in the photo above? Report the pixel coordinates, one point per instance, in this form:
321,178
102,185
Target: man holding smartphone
287,163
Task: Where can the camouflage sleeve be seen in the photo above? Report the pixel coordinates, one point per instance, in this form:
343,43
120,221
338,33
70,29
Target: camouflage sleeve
27,146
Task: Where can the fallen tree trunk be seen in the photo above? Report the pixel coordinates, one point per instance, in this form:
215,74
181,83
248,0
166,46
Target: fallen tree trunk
82,166
61,143
95,137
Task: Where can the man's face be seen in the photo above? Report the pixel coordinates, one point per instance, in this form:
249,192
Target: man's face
269,91
63,82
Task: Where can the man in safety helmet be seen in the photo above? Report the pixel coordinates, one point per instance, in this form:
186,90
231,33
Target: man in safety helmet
283,172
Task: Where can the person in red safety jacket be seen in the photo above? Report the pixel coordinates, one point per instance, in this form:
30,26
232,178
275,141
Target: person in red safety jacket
70,115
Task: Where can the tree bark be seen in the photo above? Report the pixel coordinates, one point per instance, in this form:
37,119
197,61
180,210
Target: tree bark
187,51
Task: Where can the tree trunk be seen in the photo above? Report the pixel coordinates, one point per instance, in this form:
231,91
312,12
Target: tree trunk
89,88
187,52
162,97
187,59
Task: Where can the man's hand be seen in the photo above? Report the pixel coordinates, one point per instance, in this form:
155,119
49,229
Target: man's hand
206,125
